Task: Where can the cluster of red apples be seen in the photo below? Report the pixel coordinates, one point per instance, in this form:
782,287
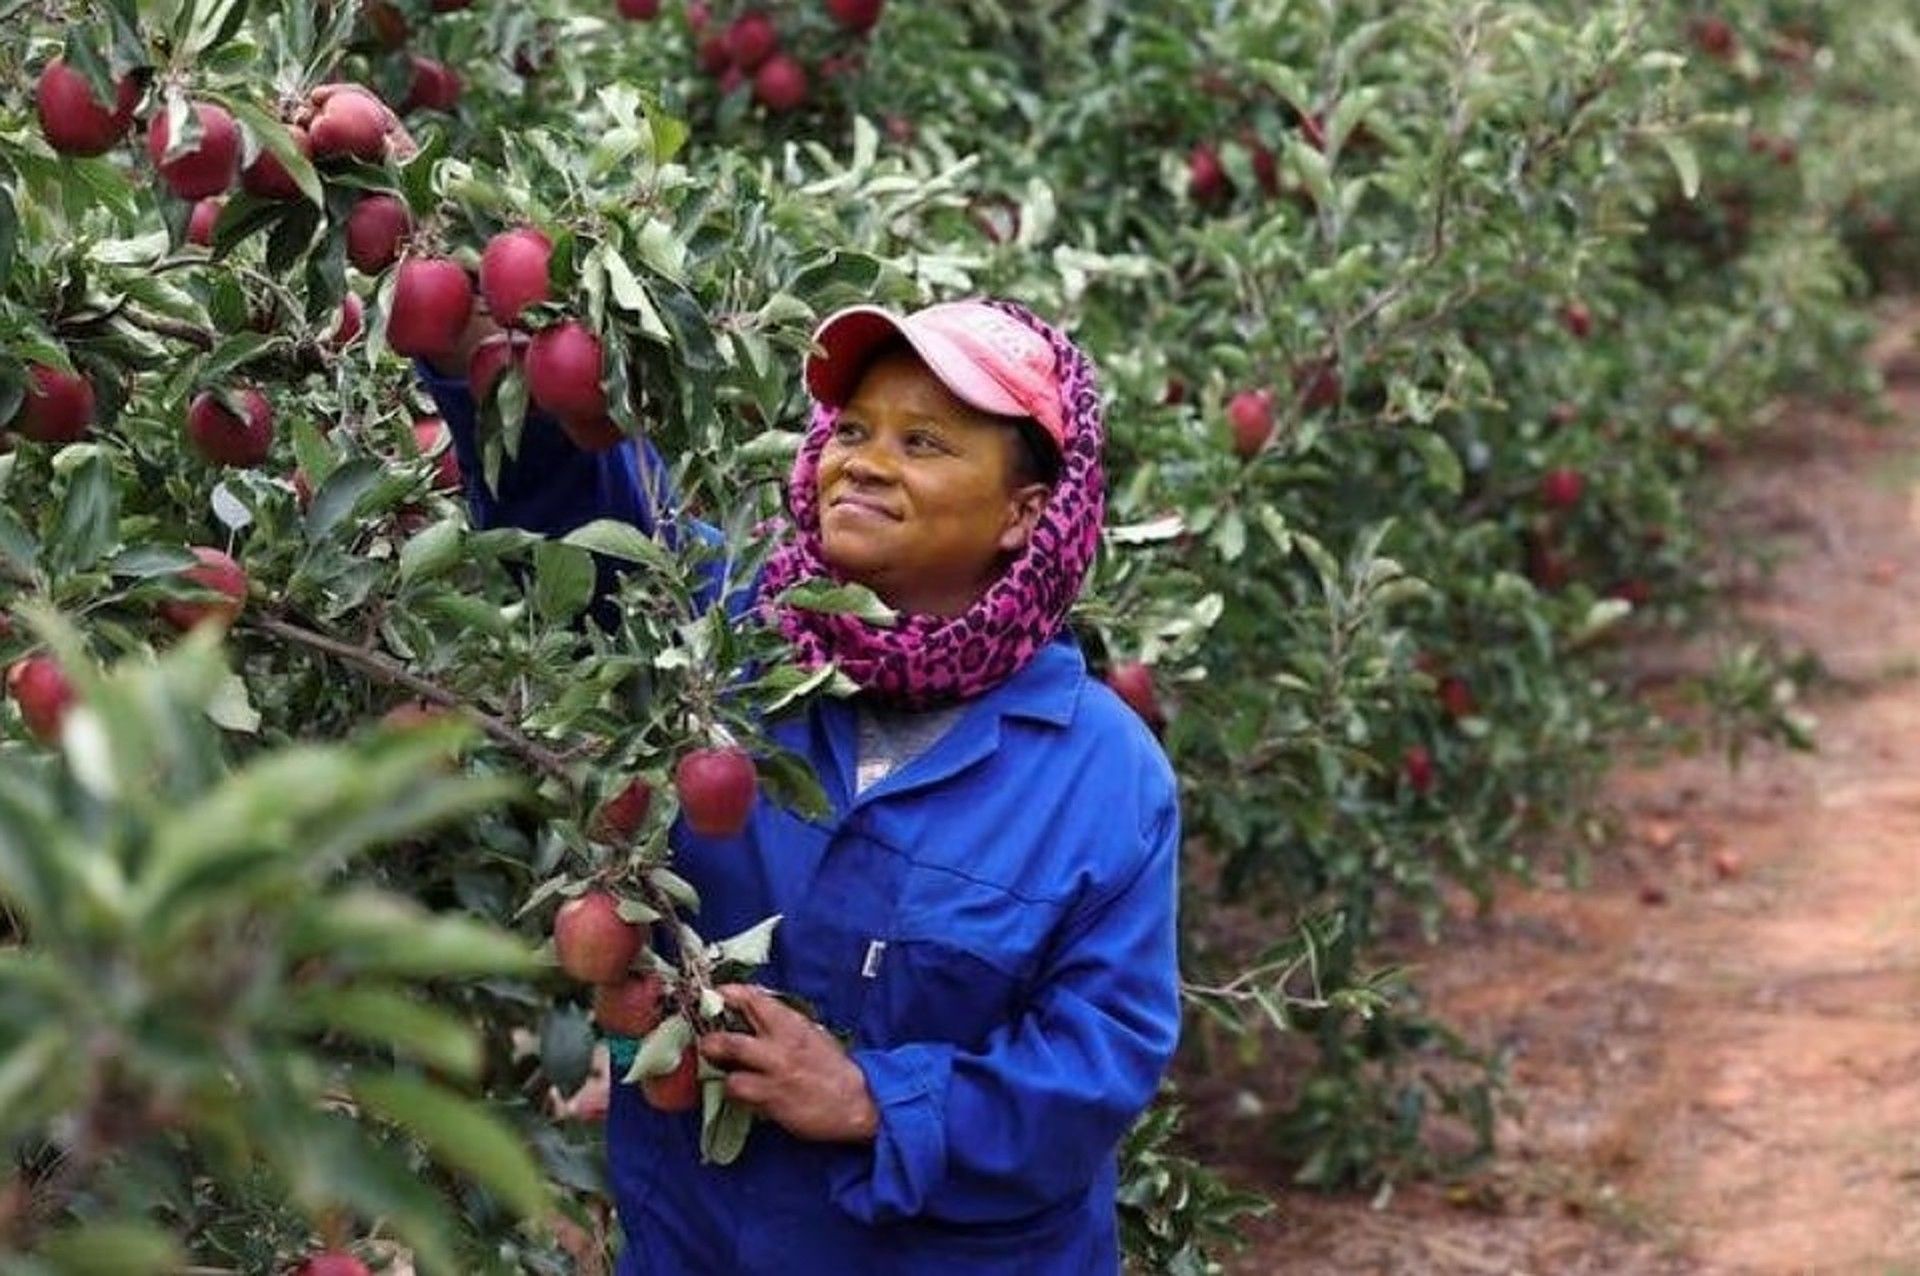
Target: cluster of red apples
596,945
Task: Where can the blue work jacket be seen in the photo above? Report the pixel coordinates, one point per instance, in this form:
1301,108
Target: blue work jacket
992,925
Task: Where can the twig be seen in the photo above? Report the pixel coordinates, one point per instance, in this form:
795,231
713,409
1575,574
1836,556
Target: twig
389,670
692,969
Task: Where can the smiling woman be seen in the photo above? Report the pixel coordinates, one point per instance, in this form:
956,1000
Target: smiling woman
924,499
987,914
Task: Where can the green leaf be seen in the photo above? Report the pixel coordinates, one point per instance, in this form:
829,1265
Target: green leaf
404,1024
840,600
1442,462
142,562
1686,165
340,492
662,1049
677,888
373,932
566,1047
462,1135
752,946
234,352
9,234
631,296
273,136
621,540
328,1160
113,1248
89,522
724,1124
231,707
33,1069
432,552
563,581
17,545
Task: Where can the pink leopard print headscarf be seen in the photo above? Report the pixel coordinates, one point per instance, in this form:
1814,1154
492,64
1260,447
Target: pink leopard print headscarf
924,661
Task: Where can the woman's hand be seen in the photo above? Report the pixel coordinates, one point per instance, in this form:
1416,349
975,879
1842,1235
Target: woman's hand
791,1071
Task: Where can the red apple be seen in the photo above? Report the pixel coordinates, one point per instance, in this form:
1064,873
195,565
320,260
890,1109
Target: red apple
412,713
491,359
352,321
351,123
388,24
434,87
332,1263
857,16
72,119
717,788
375,229
1250,413
206,168
597,435
267,177
1456,696
58,407
431,436
1132,681
632,1007
1714,36
1560,488
1316,383
751,40
780,84
1266,168
1577,319
1547,565
200,224
621,816
1634,589
713,56
432,301
594,943
564,370
41,689
639,10
225,439
676,1091
1206,177
218,572
513,272
1417,765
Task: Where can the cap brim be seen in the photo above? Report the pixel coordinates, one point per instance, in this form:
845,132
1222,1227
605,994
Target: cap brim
848,339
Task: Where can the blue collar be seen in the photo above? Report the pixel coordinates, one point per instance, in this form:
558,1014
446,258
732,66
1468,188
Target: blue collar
1047,687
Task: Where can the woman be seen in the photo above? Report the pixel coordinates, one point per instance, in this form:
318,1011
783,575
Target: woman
988,912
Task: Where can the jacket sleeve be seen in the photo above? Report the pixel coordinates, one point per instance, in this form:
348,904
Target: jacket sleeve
551,487
1030,1120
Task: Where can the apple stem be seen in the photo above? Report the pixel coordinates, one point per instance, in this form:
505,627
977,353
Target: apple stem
391,671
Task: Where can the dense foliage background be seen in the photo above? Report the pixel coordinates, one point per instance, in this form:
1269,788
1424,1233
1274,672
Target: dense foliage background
1419,323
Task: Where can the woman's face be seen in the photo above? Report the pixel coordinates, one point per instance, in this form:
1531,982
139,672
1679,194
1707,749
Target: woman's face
918,496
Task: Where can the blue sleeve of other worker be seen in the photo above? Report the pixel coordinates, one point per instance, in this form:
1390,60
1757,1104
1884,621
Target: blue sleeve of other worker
552,487
1000,1133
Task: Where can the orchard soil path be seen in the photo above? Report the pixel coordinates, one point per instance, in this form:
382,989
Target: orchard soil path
1724,1077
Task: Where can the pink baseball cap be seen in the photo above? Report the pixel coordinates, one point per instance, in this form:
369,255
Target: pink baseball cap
988,358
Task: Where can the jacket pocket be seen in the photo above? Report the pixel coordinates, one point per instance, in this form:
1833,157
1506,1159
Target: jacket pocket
955,964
